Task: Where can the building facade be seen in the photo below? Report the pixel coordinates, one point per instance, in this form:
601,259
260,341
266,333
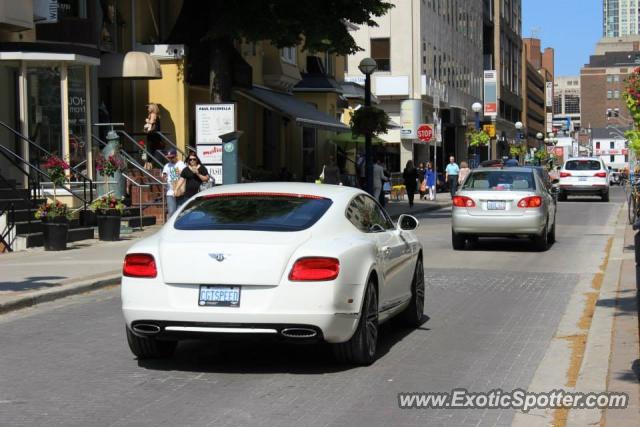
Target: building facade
620,17
611,146
602,80
502,49
566,105
538,68
427,50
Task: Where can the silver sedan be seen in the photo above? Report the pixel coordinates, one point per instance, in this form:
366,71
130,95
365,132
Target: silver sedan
504,202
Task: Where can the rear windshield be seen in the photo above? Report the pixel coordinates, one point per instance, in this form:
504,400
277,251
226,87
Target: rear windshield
582,165
256,211
499,180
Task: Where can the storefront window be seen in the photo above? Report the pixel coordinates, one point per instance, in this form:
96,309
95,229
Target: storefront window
45,115
77,117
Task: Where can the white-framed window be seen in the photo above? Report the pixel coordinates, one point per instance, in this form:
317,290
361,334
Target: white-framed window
289,54
616,94
609,94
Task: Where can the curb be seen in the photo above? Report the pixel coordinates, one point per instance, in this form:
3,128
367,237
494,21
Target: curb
47,295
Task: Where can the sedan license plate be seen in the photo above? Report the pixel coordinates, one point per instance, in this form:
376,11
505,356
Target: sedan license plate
498,205
219,296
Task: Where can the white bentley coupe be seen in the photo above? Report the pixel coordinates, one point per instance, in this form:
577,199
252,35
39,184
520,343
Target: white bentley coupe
290,261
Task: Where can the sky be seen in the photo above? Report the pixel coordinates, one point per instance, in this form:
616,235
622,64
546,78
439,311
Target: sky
571,27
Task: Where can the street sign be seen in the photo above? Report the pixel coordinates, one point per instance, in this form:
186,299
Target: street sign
489,130
425,132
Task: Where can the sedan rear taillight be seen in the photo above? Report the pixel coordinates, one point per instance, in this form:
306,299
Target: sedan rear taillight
139,265
463,202
315,269
600,174
564,174
530,202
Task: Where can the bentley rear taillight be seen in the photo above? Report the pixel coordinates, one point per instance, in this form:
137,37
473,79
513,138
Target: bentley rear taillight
139,265
314,269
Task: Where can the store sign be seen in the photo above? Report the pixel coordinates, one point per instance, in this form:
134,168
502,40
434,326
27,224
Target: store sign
549,94
45,11
410,118
489,130
210,154
213,120
490,93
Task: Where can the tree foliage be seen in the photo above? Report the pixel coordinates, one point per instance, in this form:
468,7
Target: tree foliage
318,25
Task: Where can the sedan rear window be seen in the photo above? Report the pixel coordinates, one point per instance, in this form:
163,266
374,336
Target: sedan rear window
583,165
499,180
252,211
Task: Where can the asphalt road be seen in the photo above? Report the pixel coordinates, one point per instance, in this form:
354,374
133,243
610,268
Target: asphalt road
492,311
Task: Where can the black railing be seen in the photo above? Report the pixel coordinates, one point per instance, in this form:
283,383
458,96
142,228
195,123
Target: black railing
34,181
87,183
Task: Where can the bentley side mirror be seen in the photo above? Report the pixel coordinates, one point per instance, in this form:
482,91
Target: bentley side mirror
407,223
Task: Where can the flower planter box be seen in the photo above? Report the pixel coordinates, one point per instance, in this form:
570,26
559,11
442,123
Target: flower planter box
55,232
109,225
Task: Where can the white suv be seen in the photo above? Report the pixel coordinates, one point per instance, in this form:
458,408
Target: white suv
585,176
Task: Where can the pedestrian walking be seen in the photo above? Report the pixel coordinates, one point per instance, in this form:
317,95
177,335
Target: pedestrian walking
464,172
194,175
379,178
451,175
430,180
410,176
422,185
171,174
361,170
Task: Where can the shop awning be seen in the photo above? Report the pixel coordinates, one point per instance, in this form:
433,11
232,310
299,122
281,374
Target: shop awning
303,113
134,65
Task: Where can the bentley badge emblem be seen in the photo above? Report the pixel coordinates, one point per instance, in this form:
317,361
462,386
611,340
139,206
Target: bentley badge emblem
217,257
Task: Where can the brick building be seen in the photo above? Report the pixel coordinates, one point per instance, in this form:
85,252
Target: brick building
602,85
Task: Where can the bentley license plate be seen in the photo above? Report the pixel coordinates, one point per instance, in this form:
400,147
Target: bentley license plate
219,296
498,205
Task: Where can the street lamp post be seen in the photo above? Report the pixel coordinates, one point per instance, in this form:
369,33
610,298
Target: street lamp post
476,107
519,127
540,138
367,67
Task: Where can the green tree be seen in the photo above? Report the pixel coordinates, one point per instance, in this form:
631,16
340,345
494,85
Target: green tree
318,25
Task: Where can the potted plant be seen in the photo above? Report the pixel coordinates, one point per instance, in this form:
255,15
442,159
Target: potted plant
108,209
478,138
108,166
54,216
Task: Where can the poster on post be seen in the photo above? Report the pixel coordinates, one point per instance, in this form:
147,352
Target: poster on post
213,120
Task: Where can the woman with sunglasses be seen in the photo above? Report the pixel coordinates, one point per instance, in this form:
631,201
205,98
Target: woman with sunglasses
194,175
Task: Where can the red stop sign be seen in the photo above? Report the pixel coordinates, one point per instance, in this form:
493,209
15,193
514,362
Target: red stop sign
425,133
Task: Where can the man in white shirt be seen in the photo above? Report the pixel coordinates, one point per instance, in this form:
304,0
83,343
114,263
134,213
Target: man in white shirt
379,178
170,175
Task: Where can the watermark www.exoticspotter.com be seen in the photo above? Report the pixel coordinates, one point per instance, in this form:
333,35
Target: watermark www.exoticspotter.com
517,399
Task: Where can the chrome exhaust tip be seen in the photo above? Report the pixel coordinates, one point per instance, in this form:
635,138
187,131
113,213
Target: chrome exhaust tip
146,328
298,333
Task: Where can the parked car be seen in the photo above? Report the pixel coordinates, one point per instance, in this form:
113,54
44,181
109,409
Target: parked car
288,261
584,176
503,202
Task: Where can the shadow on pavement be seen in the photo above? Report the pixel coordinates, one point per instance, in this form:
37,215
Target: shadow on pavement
626,305
255,357
31,283
633,374
491,244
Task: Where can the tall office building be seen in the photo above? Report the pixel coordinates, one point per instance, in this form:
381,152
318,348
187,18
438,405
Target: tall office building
620,17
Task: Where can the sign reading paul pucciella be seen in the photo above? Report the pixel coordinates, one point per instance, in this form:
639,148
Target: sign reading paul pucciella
213,120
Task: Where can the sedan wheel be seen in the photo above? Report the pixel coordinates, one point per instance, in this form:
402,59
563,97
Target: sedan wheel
457,241
150,348
412,315
361,348
541,242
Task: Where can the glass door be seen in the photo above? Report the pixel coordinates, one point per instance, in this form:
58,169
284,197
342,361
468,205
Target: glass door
44,111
